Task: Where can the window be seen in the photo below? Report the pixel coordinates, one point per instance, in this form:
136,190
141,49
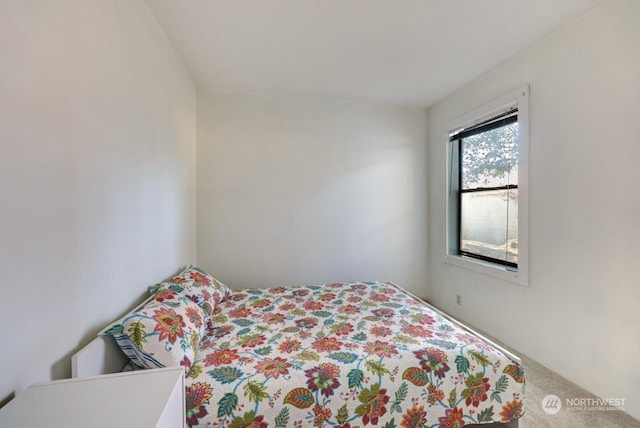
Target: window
487,189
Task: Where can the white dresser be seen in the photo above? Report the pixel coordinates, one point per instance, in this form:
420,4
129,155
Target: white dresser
140,399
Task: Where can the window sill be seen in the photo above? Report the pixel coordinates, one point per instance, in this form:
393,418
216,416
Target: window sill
487,268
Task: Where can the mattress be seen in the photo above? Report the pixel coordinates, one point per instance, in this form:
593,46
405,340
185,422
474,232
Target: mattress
345,356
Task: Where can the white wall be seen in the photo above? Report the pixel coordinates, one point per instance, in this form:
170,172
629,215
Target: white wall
302,190
580,314
97,174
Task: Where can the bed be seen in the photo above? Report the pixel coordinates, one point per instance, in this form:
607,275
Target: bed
340,355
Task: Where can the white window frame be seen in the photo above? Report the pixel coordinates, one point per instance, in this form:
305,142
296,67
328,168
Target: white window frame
520,100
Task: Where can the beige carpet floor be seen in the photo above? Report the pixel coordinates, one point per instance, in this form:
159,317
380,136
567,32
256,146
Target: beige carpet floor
542,382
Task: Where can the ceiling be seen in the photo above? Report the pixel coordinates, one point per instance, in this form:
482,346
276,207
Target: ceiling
407,52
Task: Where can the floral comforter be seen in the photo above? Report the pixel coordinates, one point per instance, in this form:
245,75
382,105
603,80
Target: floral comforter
345,356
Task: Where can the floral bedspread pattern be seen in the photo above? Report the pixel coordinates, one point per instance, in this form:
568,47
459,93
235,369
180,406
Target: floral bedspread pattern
344,356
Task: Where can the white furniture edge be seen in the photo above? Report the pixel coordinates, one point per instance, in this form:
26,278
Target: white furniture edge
101,401
100,356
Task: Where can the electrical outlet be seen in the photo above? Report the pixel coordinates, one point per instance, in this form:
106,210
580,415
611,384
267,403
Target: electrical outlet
459,299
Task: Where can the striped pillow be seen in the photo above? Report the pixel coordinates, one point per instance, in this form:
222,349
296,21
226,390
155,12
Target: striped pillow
162,333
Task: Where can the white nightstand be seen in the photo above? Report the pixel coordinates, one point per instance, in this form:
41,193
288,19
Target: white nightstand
139,399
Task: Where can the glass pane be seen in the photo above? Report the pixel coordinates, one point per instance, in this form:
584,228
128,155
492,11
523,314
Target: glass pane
490,159
489,224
